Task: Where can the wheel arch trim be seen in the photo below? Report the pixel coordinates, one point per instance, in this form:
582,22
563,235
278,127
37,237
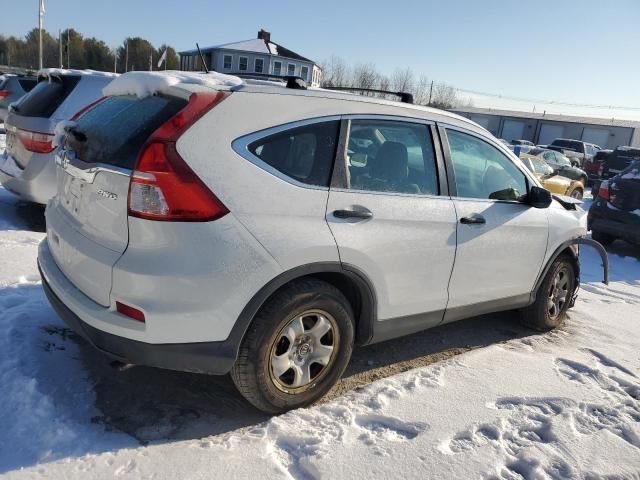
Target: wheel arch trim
365,290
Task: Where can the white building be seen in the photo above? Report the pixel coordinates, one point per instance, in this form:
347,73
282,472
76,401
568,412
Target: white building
259,55
544,128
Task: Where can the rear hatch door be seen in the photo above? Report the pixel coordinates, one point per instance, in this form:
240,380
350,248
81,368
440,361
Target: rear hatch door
33,114
87,222
624,189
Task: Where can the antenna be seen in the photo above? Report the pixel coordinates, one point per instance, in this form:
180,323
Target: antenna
204,65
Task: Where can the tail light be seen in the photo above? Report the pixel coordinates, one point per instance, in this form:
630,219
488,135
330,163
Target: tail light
163,187
36,142
603,191
4,94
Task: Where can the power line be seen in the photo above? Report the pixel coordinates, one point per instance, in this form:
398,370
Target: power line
548,102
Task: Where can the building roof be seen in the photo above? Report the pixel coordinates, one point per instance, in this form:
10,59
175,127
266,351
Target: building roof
256,45
613,122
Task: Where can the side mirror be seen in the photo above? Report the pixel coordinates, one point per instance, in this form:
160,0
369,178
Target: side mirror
539,197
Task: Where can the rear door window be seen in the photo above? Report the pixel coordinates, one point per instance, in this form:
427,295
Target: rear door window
114,131
304,153
391,156
45,98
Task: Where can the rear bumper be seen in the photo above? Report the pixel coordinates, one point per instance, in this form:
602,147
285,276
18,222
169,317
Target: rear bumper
617,223
215,358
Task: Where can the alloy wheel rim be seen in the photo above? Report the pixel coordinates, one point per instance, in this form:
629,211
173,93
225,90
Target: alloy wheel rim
303,351
558,293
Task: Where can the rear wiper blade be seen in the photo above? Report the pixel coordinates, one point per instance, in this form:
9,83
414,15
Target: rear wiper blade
77,134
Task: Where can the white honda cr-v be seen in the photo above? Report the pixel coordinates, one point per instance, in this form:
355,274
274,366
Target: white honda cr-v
208,224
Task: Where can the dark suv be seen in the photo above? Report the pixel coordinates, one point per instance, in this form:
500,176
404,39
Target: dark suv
615,212
593,166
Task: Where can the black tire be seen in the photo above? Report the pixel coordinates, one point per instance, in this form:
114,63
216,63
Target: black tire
577,193
540,315
602,238
253,373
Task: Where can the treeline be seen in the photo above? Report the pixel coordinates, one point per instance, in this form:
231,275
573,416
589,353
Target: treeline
82,52
336,72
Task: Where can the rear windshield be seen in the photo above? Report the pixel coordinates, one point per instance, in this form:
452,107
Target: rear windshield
46,96
114,131
568,144
27,84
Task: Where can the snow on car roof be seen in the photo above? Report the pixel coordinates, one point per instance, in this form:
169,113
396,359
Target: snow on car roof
144,84
45,72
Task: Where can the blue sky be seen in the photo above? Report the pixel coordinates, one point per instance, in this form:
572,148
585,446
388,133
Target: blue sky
578,51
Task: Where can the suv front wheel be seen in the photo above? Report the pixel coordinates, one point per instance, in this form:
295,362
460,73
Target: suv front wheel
553,297
296,348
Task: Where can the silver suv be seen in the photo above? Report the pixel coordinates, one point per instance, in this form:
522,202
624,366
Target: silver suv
217,226
27,167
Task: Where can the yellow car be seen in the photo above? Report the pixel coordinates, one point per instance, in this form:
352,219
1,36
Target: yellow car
549,180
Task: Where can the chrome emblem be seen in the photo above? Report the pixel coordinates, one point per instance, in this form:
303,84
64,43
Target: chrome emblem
105,194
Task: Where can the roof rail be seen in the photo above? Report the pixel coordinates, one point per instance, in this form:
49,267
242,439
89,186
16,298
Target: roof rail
293,82
405,97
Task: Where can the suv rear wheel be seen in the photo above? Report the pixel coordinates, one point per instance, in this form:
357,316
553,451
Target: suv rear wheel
553,297
297,347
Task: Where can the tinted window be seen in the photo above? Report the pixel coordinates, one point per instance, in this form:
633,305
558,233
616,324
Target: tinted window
387,156
482,171
46,96
27,84
114,131
304,153
568,144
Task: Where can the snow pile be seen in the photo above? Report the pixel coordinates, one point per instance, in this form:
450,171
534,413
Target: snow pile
46,72
60,131
565,404
144,84
633,174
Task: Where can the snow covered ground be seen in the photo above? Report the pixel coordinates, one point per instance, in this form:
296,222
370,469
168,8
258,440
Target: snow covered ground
559,405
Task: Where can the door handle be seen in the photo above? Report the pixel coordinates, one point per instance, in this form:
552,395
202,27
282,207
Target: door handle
360,214
474,219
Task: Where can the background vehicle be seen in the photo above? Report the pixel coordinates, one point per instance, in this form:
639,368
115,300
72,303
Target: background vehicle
551,180
619,160
561,164
190,233
12,87
27,167
522,142
577,151
592,167
615,212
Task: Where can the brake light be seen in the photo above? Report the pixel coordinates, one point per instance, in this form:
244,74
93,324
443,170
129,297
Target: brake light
130,312
163,187
4,94
36,142
603,191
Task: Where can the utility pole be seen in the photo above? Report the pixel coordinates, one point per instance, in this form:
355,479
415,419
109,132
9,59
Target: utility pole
40,15
115,60
68,49
60,47
430,92
126,57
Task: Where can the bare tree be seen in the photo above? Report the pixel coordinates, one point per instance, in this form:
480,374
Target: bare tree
421,91
384,83
365,76
444,96
402,80
334,72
